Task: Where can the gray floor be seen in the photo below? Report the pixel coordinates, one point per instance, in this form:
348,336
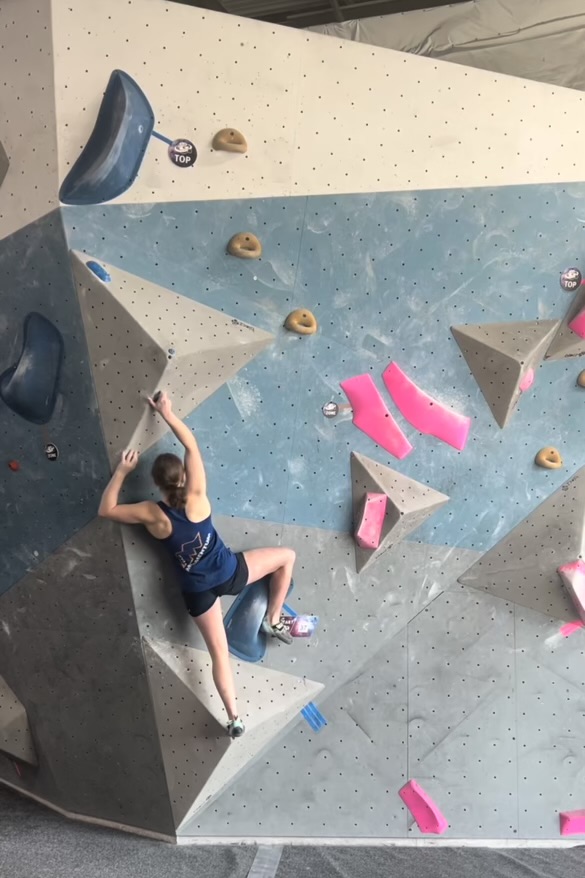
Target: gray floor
36,843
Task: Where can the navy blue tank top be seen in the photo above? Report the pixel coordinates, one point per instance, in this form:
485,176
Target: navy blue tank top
199,552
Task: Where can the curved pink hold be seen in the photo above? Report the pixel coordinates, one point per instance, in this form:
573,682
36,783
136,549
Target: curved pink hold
577,324
426,814
369,530
424,412
527,381
572,822
570,627
372,417
573,577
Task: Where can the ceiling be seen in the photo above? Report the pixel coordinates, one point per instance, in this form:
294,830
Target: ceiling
305,13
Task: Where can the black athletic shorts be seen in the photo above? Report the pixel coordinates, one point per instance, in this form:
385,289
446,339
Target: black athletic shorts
199,602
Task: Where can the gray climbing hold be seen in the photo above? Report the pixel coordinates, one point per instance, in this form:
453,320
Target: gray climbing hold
409,503
522,567
500,355
15,735
567,343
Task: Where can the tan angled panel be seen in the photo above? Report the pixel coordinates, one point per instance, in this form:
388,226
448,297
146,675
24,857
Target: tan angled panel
15,735
567,343
500,354
410,503
143,338
522,566
200,759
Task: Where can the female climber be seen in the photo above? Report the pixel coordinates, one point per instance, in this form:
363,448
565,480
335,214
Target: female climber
206,566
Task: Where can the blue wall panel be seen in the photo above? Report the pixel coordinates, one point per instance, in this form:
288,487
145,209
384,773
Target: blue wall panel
386,275
45,502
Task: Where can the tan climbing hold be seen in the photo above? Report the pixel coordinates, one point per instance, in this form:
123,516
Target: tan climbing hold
581,379
549,458
245,246
301,321
230,140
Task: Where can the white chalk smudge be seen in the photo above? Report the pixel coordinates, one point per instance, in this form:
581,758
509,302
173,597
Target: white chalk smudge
246,397
6,628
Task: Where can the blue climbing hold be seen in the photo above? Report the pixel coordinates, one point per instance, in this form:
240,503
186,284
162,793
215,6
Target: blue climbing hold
30,387
99,271
243,620
112,156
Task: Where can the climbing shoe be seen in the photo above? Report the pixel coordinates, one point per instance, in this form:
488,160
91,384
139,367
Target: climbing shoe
280,631
236,728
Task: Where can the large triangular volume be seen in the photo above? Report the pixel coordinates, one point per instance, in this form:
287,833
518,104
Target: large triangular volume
522,567
143,338
200,759
501,355
15,735
567,343
409,503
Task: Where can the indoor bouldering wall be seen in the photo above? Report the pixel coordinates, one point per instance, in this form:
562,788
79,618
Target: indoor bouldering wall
423,214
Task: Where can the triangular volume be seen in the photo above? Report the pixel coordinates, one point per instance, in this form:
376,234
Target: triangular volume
409,503
500,356
199,757
522,567
142,338
15,735
567,343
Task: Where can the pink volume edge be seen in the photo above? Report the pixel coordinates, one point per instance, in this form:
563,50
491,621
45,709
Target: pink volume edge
371,416
572,822
424,412
577,324
427,815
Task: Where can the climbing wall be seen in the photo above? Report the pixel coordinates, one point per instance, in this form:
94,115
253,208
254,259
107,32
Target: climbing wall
435,242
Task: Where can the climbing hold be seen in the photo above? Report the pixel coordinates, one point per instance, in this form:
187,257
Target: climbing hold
99,271
568,342
371,521
426,814
570,627
581,378
572,822
243,622
230,140
549,458
573,578
245,245
111,159
301,321
527,381
14,465
408,504
371,415
30,387
425,413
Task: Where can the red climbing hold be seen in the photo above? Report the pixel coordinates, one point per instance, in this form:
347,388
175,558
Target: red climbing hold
14,465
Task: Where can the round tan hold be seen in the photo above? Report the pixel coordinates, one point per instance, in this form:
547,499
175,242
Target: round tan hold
230,140
245,246
581,379
301,321
549,458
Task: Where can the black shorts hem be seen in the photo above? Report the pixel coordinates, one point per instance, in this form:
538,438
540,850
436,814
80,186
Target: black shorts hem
199,602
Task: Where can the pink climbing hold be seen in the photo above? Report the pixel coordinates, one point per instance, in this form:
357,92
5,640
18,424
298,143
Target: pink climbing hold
573,577
572,822
577,324
527,381
570,627
371,416
425,413
369,529
426,814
